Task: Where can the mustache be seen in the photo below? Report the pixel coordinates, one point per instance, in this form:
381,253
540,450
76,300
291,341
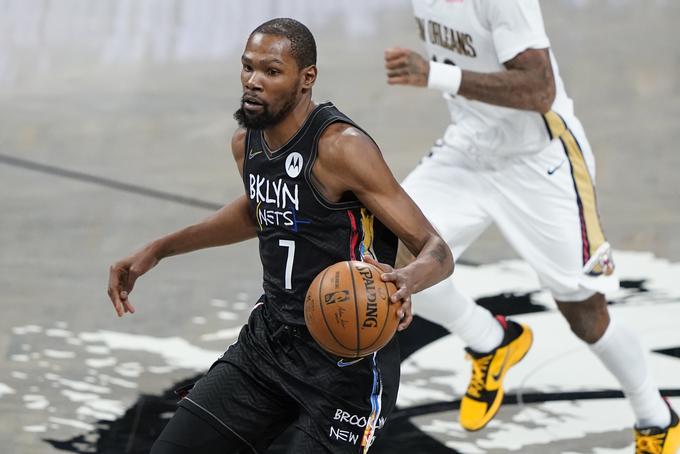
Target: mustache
252,99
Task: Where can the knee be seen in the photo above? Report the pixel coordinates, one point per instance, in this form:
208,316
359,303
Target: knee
587,319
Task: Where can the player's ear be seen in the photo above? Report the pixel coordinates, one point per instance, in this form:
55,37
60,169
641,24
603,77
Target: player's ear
308,76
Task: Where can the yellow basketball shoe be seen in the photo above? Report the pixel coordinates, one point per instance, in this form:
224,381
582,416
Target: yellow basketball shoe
485,392
655,440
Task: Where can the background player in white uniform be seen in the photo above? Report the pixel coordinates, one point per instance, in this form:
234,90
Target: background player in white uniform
515,154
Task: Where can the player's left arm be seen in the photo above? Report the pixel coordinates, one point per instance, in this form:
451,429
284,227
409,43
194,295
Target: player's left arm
528,83
350,161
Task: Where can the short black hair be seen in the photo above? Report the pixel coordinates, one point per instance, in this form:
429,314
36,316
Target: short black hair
302,43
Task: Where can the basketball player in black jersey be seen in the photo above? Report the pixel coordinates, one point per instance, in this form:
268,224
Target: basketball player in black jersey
317,191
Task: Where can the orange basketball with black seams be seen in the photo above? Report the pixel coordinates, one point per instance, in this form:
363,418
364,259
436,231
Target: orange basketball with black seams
348,310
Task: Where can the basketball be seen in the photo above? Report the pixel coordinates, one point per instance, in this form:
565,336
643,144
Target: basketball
348,310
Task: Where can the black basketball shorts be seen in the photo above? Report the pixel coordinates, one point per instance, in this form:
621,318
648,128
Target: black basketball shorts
276,375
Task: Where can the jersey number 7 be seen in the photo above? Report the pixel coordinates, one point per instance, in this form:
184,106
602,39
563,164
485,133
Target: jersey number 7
289,262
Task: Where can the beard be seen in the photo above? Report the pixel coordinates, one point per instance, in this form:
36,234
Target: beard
265,118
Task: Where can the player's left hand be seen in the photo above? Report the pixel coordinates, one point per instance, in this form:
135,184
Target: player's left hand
406,67
402,280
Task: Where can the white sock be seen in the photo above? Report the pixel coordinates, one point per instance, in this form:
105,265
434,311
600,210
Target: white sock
621,352
445,305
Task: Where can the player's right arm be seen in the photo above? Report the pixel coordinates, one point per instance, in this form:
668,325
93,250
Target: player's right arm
528,83
348,160
518,33
231,224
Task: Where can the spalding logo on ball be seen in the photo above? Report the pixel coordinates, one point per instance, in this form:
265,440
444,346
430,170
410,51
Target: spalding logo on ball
348,310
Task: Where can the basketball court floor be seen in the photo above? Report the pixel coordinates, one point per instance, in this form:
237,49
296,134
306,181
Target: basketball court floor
115,118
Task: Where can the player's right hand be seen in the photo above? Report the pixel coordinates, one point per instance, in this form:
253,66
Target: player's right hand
406,67
403,295
122,277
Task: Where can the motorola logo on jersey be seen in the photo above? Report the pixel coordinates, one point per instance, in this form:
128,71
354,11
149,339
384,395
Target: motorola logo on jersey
294,164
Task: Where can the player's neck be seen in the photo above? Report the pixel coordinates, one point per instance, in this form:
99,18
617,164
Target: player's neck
277,136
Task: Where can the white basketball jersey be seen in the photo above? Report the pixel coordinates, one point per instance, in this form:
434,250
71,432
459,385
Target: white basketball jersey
480,35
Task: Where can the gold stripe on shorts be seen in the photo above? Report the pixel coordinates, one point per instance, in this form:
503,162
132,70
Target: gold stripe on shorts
591,230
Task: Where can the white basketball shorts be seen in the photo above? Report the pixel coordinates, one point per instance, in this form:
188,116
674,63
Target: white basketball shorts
543,203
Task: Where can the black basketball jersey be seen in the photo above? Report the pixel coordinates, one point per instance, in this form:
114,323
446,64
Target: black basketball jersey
299,231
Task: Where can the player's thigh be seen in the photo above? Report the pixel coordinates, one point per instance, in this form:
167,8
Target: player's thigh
546,209
451,195
353,402
188,433
241,393
242,403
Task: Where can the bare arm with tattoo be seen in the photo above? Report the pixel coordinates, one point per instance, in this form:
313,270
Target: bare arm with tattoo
528,83
349,160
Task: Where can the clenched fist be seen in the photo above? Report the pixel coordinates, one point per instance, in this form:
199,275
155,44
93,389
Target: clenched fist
406,67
